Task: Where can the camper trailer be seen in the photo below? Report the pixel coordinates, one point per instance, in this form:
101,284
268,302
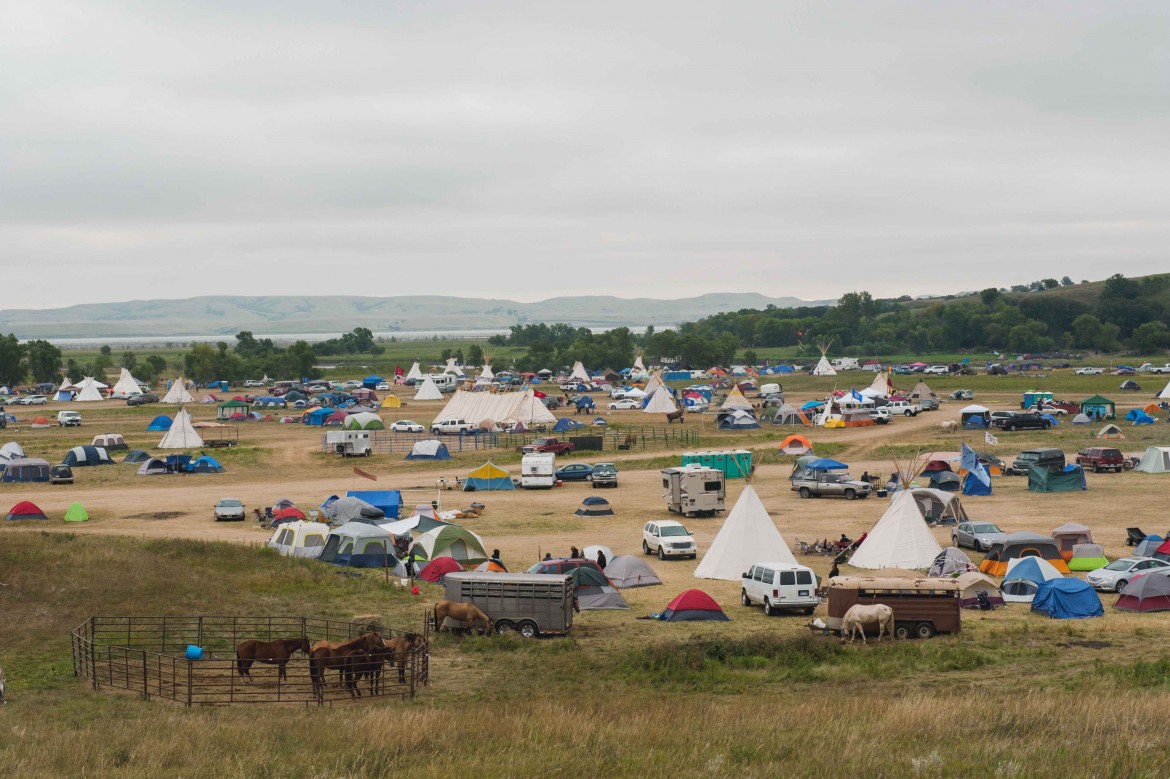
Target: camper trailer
694,490
846,364
349,443
538,471
446,382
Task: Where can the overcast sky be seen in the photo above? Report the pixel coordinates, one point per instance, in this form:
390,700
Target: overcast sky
526,150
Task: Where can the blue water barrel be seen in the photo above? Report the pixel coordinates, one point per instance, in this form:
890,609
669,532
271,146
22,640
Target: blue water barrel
194,652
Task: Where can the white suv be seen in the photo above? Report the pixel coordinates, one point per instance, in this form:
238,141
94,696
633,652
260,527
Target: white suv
780,587
668,538
938,370
68,419
451,426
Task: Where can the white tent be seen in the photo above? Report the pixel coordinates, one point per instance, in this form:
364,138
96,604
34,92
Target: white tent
634,393
453,368
127,385
736,400
299,539
503,408
1155,460
65,391
414,373
748,536
486,374
1165,393
653,384
900,539
824,368
88,390
579,373
428,390
638,367
879,387
182,434
178,393
660,403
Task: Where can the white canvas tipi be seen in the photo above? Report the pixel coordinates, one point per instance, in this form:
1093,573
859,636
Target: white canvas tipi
126,386
428,390
823,367
88,390
880,386
486,374
65,391
1165,393
660,403
182,434
178,393
453,368
900,539
579,373
736,400
638,368
653,384
414,373
748,536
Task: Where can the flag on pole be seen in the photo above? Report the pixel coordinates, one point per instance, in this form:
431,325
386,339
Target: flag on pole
364,475
857,396
990,439
397,370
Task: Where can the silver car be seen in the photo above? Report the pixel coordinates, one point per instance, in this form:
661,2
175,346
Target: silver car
1121,572
977,535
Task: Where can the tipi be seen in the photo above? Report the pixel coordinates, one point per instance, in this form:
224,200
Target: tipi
414,373
88,389
453,368
182,434
1165,393
736,400
178,393
823,367
748,536
65,391
900,539
880,386
486,374
660,403
428,390
639,368
579,373
653,384
126,386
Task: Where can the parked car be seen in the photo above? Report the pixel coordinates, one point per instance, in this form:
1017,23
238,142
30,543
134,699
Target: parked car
962,394
780,587
451,427
625,404
1101,458
605,475
903,370
352,384
1024,421
575,472
1089,371
69,419
253,383
35,400
1122,571
229,509
668,538
997,416
564,565
928,404
60,474
881,416
1052,459
901,407
142,399
1125,372
383,387
938,370
406,426
976,535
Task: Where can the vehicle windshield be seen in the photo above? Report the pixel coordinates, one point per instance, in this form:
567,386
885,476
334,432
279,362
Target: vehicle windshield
1119,565
230,503
985,528
536,568
604,470
1028,457
675,530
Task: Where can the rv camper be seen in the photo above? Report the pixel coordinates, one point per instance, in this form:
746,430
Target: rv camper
349,443
694,490
538,471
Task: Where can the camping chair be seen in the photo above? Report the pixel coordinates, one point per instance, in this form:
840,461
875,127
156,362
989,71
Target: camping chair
1133,536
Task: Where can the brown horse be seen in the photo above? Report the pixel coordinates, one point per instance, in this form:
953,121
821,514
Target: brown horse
676,416
275,652
464,612
400,649
337,654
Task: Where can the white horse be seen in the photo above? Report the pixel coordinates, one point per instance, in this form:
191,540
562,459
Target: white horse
949,426
859,616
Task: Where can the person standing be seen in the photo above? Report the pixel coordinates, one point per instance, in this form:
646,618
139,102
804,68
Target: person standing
495,558
601,561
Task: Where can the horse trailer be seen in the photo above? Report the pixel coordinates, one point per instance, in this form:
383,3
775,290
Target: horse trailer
922,607
349,443
532,604
694,490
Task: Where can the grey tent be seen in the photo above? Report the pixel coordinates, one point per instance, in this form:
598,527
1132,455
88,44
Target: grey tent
361,545
344,510
627,570
950,561
594,592
789,415
136,456
153,467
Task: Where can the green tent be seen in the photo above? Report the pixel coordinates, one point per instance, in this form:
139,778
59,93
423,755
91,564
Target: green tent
76,513
1040,479
228,407
1088,557
1098,407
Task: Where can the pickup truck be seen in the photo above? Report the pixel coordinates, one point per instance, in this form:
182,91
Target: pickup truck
1022,421
837,485
1161,368
1101,458
902,407
553,445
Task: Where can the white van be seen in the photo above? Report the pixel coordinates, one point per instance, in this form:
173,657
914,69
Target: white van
780,587
538,470
68,419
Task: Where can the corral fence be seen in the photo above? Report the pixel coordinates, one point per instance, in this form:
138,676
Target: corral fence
389,441
617,439
149,656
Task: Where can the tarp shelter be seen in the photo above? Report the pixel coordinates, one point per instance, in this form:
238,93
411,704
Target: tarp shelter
1020,545
1148,592
488,477
748,535
347,509
594,506
204,464
361,545
692,605
629,570
950,561
1087,557
450,541
503,408
299,539
389,501
182,434
25,509
900,539
1067,599
80,456
1155,460
89,390
109,441
26,469
435,570
1024,576
153,466
363,420
159,424
661,403
796,444
76,513
1069,479
126,386
1098,407
1069,535
178,393
971,584
428,390
430,449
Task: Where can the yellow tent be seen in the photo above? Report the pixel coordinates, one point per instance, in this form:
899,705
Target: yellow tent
391,401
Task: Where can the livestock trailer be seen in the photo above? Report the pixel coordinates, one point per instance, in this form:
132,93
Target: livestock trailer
922,607
532,604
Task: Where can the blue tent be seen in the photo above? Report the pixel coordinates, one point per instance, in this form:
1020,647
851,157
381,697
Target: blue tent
318,416
372,381
973,485
565,423
428,450
488,477
160,423
974,423
178,462
1051,419
387,500
599,422
1067,599
585,402
204,464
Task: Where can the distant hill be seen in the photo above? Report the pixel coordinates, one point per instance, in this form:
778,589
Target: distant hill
228,314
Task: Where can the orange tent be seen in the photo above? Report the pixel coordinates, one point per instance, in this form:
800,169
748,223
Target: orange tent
796,444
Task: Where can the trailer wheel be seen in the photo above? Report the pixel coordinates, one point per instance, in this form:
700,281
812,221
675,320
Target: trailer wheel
504,627
901,630
528,628
924,630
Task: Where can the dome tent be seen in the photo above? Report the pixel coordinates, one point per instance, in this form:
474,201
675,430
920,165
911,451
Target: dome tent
594,506
429,449
629,570
438,568
692,605
159,424
450,541
87,455
76,513
1067,599
25,509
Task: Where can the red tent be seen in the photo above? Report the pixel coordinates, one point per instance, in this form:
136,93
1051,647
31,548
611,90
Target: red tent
288,514
936,466
438,568
26,509
694,605
1148,592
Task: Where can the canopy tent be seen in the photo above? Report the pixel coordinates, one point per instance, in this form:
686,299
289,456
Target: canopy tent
488,477
594,506
660,403
76,513
80,456
1087,557
1024,576
748,535
25,509
1069,479
796,444
1155,460
110,441
950,561
299,539
159,424
178,393
89,390
503,408
363,420
1148,592
361,545
1069,535
627,570
181,434
126,386
1067,599
428,390
1015,545
435,570
450,541
971,584
692,605
389,501
900,539
1098,407
430,449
